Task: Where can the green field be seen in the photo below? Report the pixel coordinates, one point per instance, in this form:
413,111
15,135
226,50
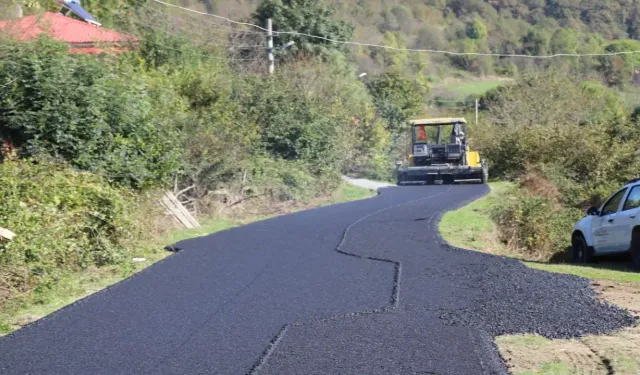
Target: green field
462,90
471,227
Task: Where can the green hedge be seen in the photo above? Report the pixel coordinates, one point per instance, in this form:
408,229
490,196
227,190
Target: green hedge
63,220
98,114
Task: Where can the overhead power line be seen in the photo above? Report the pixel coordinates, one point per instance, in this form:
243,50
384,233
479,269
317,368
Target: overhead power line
212,15
228,29
451,53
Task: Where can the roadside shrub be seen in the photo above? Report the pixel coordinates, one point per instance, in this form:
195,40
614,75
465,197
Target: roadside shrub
284,180
95,114
569,144
63,219
535,226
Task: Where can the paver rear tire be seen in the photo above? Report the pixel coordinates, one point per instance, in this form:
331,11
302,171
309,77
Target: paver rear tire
580,250
635,249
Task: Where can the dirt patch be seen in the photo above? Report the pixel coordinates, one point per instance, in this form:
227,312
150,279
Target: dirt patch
625,295
536,183
532,354
615,353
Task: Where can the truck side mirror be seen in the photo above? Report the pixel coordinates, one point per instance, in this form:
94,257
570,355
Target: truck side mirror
592,211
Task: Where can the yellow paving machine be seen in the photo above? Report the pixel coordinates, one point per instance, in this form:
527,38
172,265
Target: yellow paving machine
437,158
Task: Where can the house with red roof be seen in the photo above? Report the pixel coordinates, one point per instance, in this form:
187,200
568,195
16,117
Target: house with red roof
81,36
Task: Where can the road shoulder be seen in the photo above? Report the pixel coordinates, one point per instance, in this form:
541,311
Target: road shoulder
618,352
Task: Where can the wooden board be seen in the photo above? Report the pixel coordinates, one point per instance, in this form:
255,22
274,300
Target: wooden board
177,210
6,234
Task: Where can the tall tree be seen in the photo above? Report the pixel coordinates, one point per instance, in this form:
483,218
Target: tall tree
305,16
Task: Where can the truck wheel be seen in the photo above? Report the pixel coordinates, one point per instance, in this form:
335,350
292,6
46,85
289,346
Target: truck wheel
635,249
580,250
400,179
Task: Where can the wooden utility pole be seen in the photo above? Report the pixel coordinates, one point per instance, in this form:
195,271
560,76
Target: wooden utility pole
272,66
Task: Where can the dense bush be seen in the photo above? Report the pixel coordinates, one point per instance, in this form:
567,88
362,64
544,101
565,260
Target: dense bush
535,224
313,116
569,144
188,118
97,115
63,220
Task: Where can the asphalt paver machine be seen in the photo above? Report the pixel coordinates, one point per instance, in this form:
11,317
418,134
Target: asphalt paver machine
438,158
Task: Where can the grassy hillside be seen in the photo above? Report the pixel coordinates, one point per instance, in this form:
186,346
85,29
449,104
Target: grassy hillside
537,27
496,26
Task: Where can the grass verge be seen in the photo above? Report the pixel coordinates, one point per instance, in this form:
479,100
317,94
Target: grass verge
471,227
617,352
28,308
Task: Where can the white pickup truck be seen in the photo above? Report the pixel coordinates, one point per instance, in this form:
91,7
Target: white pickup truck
612,228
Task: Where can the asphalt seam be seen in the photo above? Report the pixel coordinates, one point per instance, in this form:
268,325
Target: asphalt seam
210,316
269,349
394,300
395,293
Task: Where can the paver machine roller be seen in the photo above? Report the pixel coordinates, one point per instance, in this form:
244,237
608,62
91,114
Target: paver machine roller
437,158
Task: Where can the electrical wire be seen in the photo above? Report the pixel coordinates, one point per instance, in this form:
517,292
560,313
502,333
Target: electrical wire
211,15
434,51
202,38
229,28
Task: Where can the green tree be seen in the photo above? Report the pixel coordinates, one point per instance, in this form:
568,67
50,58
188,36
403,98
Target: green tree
633,22
395,57
477,29
617,69
563,41
305,16
397,98
536,42
430,37
404,17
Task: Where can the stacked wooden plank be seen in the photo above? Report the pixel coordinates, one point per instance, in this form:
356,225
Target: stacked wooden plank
177,210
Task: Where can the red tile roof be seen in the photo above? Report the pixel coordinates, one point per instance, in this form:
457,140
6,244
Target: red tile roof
63,28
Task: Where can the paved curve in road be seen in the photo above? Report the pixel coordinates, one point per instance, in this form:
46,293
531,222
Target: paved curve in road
365,287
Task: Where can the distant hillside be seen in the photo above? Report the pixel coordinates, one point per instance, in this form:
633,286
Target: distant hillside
530,27
500,26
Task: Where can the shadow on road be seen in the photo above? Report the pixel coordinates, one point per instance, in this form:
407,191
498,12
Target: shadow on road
614,262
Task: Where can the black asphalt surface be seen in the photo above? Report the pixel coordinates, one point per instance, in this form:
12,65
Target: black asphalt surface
365,287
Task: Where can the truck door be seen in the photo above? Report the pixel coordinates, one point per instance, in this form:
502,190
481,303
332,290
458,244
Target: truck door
628,218
606,227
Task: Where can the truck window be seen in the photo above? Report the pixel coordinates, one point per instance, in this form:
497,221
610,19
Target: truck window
633,201
421,134
612,205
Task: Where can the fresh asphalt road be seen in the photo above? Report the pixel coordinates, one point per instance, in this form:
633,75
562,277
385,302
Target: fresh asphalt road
366,287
